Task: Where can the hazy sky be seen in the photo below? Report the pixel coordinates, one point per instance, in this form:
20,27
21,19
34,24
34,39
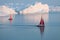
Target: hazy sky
21,4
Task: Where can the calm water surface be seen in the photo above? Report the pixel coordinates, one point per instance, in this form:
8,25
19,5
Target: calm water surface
23,27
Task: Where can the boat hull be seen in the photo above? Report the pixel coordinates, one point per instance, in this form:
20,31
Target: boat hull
40,25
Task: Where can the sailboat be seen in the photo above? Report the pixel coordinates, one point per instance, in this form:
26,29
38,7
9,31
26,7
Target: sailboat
41,24
10,17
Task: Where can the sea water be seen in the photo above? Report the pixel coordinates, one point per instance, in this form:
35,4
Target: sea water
23,27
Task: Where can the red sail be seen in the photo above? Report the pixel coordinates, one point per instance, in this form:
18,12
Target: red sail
41,24
42,21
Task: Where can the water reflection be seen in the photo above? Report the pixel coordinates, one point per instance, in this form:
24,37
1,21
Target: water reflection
35,18
3,20
10,21
41,31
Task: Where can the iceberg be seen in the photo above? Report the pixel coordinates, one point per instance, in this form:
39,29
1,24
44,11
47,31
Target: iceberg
37,7
4,11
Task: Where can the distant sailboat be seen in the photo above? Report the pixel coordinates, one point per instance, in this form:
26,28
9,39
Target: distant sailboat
10,17
41,24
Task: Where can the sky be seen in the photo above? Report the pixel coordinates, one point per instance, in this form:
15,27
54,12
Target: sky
21,4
